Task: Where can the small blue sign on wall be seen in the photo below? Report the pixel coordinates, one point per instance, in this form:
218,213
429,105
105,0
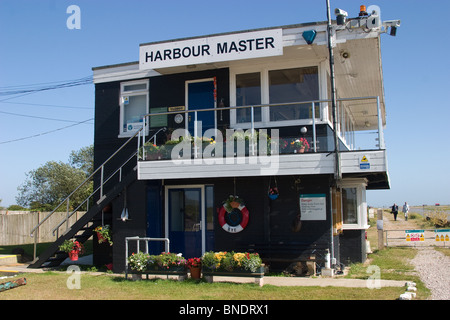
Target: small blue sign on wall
364,166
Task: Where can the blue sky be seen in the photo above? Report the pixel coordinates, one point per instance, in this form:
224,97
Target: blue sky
38,48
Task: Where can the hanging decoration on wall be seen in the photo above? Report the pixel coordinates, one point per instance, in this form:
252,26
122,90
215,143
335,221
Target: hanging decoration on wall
124,215
273,190
233,215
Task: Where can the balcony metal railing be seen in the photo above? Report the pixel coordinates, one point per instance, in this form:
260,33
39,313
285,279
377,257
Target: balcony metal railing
369,136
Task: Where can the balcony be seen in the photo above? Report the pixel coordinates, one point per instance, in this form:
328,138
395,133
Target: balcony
257,148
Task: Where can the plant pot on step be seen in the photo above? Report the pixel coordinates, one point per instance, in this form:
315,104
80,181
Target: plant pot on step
100,237
73,255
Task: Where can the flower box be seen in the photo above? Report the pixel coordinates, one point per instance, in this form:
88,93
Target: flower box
168,264
209,274
177,271
232,264
237,272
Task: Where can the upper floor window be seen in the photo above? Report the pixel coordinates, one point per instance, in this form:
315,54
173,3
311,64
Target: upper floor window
248,92
275,86
134,102
293,85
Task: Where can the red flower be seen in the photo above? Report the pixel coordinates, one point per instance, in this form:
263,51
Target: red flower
194,262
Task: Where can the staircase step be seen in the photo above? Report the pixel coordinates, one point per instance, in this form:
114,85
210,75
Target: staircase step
59,259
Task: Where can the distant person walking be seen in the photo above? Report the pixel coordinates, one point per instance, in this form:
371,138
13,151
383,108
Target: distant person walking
405,210
395,211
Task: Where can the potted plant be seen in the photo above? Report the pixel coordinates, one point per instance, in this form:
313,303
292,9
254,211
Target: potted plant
138,261
104,234
194,265
300,145
273,193
201,144
167,261
284,146
166,149
152,151
72,248
244,139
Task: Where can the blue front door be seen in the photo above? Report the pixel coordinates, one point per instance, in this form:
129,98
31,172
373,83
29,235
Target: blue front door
200,97
185,218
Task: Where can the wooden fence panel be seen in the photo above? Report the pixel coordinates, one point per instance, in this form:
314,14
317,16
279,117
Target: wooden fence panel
15,226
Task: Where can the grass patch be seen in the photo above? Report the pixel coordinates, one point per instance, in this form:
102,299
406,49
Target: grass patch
52,285
445,251
394,264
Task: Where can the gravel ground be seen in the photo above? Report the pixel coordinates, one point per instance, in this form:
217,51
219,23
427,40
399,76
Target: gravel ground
432,266
434,270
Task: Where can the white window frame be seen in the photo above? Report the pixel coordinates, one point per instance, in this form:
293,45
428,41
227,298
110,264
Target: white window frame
361,215
123,94
263,70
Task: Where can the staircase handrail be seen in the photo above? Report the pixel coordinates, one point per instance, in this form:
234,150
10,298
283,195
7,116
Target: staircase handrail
92,193
88,179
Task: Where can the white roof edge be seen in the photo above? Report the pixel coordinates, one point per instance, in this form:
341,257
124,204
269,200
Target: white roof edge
120,72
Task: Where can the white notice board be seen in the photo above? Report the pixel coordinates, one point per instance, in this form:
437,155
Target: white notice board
313,207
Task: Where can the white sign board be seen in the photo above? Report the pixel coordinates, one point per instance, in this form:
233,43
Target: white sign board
414,235
442,235
237,46
133,126
313,207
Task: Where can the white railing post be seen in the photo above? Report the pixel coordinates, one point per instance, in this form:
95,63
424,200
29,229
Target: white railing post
252,113
380,126
139,146
195,135
314,125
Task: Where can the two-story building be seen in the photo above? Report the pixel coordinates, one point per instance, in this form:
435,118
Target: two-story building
248,115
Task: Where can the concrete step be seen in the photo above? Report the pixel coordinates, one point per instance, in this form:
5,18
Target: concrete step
8,259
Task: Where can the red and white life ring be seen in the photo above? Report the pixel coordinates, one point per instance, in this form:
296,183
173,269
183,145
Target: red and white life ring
238,225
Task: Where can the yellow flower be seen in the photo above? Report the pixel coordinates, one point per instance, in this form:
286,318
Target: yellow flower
238,257
219,255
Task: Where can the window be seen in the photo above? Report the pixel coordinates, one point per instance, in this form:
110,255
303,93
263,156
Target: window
133,106
350,205
248,93
282,84
293,85
354,207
